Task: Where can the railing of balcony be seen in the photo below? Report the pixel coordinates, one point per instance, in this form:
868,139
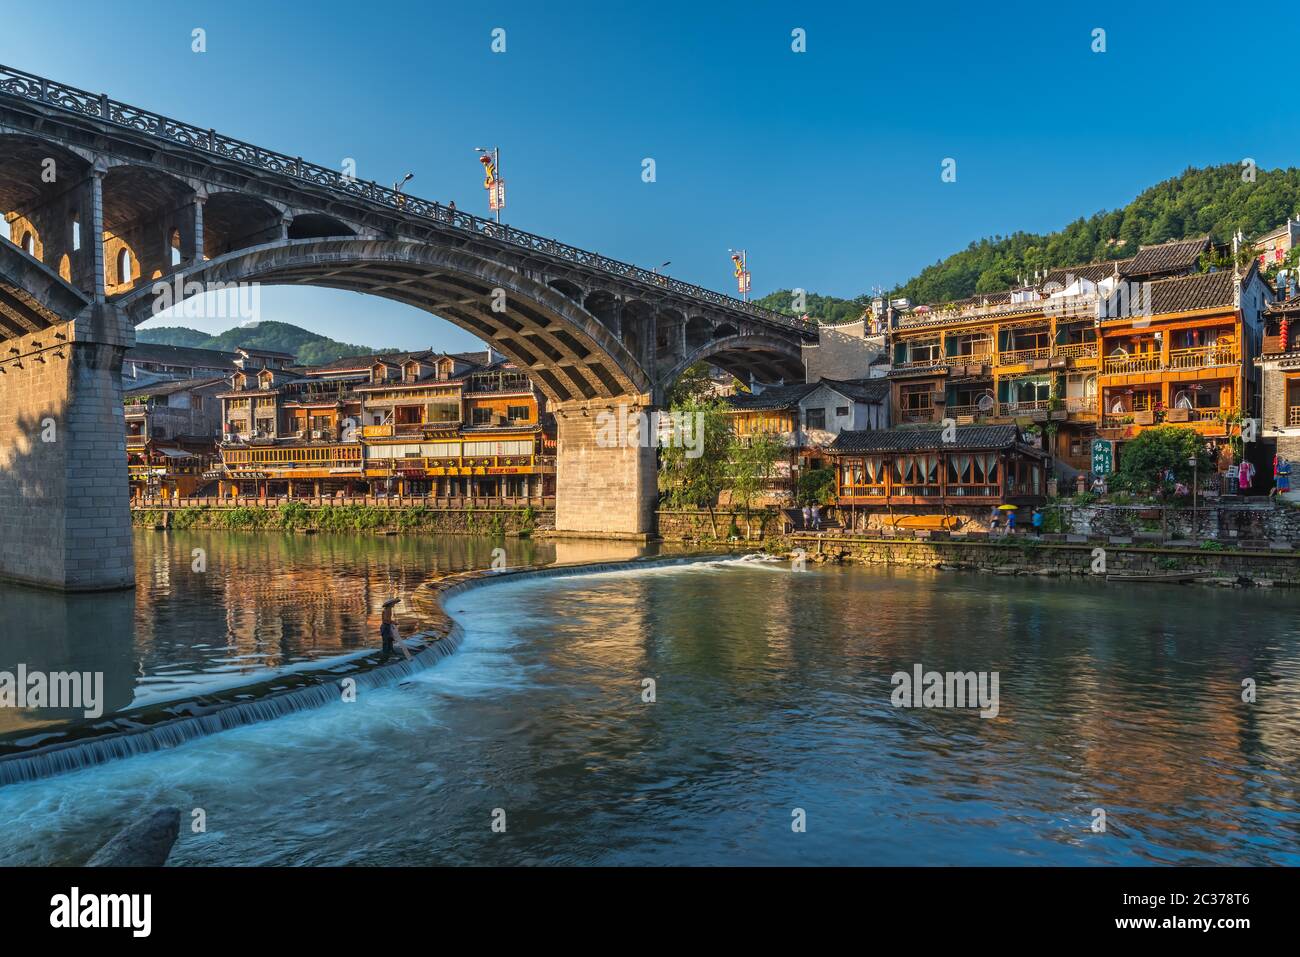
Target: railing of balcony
1020,408
1124,364
1075,350
1202,356
29,86
1016,356
918,415
969,358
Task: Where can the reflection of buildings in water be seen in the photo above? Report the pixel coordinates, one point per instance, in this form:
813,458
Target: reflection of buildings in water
570,551
84,633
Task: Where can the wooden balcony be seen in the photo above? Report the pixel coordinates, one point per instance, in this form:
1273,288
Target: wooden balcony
1075,350
1203,357
1023,408
1122,365
1013,357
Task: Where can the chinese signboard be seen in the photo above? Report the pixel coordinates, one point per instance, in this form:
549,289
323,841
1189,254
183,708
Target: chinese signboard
1103,456
497,195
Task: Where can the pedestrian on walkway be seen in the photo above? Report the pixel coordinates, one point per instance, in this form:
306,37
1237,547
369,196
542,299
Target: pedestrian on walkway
817,517
1037,521
807,518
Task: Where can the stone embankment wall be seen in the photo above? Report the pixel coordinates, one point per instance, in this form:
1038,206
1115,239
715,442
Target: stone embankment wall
349,518
1026,556
690,525
1264,522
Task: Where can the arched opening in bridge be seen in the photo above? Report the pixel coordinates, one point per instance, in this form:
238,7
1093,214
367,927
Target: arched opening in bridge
317,226
234,221
698,332
177,256
65,268
30,204
137,200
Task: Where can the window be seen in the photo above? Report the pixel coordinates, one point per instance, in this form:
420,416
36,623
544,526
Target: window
815,418
123,266
175,245
76,232
482,417
842,411
923,352
29,244
518,413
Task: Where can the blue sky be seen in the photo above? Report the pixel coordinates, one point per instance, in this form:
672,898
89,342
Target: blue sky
824,165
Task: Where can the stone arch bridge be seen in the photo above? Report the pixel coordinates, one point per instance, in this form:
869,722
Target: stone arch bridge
109,205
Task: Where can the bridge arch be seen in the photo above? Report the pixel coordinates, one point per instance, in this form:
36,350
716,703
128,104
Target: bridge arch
570,354
233,221
141,208
769,358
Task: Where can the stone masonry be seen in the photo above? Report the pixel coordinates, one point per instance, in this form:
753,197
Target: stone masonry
64,517
603,489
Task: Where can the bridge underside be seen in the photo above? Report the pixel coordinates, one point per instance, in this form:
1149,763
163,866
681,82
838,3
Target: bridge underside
87,248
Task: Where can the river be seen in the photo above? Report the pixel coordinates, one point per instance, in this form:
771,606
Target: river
770,739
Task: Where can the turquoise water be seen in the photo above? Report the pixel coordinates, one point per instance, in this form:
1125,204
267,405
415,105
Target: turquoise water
772,696
213,609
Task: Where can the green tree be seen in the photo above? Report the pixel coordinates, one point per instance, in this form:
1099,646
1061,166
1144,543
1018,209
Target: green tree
816,487
1144,459
693,385
690,480
751,459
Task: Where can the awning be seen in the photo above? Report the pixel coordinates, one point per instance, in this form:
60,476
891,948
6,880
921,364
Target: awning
175,453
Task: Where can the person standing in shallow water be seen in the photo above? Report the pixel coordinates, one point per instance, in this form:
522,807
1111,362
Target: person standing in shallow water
388,630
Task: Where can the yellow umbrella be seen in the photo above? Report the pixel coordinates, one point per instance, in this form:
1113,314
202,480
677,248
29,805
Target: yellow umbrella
1007,508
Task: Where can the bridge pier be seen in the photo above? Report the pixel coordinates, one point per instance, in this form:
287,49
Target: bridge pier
65,520
606,484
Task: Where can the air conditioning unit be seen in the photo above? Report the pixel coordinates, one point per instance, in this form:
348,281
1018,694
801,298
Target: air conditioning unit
228,437
317,434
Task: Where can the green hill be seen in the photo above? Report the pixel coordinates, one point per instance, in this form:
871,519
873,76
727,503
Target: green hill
310,348
1213,200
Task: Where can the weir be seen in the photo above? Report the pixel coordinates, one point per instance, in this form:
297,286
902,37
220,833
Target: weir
171,724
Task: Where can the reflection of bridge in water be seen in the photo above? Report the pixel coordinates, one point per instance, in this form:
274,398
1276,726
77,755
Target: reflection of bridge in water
104,199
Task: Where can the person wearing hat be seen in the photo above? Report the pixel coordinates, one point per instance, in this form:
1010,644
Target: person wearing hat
388,630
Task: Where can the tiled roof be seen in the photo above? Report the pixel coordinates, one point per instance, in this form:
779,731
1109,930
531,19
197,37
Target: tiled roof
924,440
1177,256
860,390
180,355
169,387
348,363
1064,276
1186,293
772,398
1288,307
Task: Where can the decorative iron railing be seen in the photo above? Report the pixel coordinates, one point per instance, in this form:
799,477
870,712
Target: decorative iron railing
28,86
